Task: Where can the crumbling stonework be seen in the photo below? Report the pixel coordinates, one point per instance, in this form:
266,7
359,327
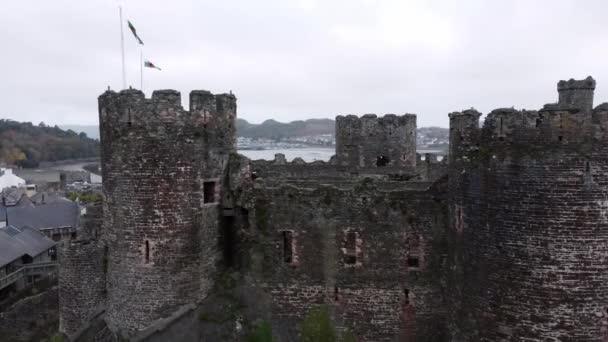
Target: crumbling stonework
366,289
82,282
504,240
528,222
33,318
370,141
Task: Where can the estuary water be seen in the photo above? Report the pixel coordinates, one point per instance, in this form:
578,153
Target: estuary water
309,154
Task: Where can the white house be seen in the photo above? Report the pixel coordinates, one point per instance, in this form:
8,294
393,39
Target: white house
10,180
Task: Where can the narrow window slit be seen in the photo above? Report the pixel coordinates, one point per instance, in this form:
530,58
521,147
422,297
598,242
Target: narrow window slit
501,126
287,246
147,252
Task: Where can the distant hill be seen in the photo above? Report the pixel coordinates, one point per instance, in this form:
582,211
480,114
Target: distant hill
271,129
279,131
92,131
25,144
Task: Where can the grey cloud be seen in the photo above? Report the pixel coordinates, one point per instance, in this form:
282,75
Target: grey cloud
292,60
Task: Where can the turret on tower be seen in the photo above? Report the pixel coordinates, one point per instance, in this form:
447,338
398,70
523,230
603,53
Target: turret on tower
163,171
577,93
371,141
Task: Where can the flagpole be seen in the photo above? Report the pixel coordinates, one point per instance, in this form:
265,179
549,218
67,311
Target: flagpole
141,68
122,50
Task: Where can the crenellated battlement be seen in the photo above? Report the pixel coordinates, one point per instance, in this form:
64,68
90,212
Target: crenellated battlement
576,93
368,121
372,141
130,107
568,123
211,118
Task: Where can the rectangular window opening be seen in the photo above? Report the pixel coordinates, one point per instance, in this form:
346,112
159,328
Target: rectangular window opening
351,248
208,192
413,262
287,246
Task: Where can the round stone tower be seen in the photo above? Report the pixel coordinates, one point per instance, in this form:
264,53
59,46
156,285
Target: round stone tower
529,226
162,169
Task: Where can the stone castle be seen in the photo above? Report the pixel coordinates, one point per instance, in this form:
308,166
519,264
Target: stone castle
504,240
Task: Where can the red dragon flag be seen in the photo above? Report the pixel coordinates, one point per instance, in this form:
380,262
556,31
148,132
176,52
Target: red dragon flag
149,64
132,28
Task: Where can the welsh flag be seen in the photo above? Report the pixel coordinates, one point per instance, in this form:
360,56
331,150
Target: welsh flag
132,28
149,64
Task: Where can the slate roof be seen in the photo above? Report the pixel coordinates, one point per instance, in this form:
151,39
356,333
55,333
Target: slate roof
14,243
39,176
49,215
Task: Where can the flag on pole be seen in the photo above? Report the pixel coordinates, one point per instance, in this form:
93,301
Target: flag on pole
149,64
132,28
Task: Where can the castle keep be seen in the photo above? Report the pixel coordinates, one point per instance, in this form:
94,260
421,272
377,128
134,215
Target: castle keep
504,240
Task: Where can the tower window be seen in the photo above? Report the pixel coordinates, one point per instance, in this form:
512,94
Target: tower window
413,262
351,248
208,192
287,246
382,161
147,252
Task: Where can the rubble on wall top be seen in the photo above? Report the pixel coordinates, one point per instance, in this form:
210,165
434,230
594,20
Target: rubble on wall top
587,83
391,117
466,112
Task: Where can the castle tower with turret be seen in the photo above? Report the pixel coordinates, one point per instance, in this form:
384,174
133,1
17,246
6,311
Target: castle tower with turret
510,246
163,169
529,233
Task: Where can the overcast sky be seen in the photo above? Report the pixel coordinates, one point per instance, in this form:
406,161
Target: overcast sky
298,59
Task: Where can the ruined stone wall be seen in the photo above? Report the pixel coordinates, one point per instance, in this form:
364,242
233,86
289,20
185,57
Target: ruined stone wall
92,222
373,256
163,169
33,318
431,168
280,169
297,169
369,141
528,224
82,282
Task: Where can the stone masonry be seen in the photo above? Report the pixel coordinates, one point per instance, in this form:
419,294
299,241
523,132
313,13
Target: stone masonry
504,240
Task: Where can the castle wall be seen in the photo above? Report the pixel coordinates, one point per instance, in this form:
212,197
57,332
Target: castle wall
280,169
373,256
82,287
369,141
163,169
527,218
32,318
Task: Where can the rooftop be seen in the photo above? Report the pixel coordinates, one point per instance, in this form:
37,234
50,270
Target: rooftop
47,215
15,243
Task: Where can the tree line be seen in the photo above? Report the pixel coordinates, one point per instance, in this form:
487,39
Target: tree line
26,145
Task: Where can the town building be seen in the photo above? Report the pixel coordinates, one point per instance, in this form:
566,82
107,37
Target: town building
9,180
26,256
